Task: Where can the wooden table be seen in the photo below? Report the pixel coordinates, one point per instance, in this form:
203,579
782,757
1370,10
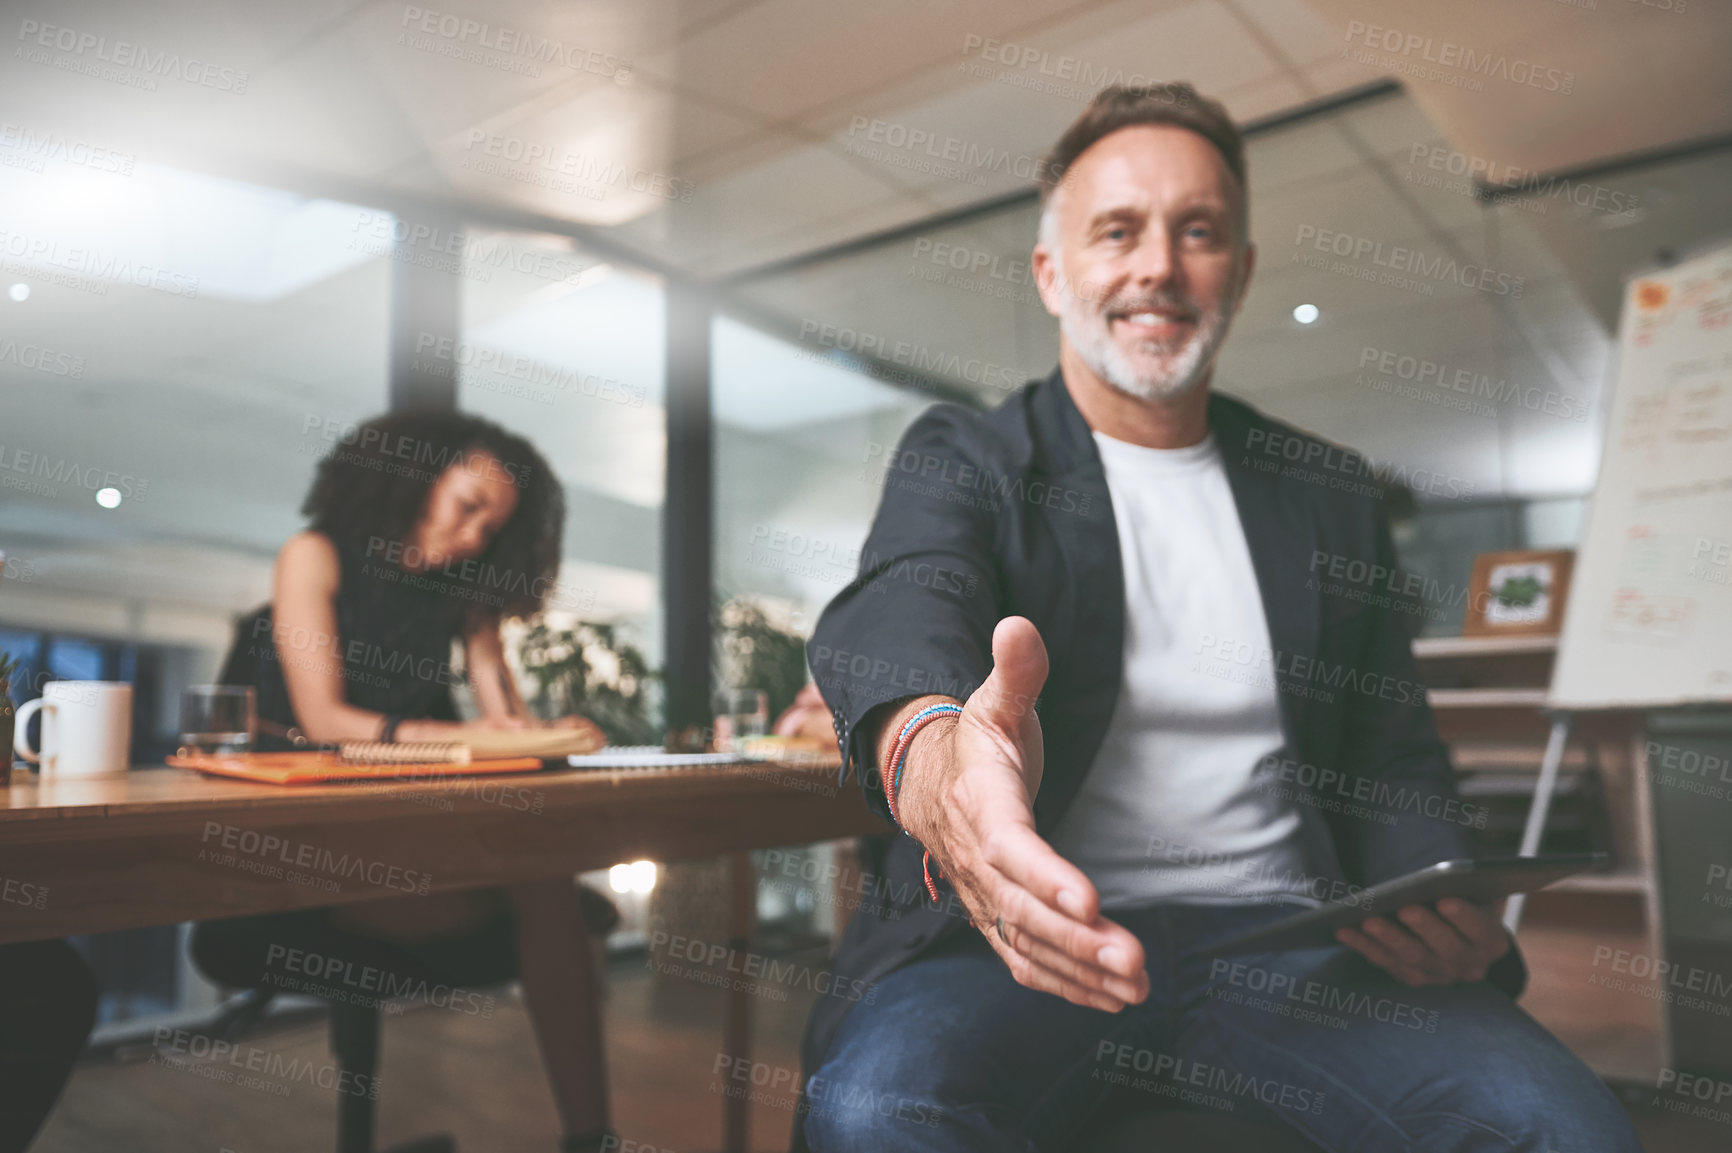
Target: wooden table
159,846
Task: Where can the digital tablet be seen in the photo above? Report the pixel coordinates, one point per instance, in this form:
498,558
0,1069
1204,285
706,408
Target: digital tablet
1482,882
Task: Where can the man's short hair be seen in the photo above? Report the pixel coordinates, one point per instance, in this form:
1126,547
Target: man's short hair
1118,106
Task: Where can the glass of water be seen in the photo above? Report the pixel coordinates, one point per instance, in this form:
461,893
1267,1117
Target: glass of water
740,715
218,719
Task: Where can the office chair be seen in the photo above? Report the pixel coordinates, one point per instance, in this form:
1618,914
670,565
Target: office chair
232,953
355,1044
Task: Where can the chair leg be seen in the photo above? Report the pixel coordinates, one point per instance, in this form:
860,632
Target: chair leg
355,1042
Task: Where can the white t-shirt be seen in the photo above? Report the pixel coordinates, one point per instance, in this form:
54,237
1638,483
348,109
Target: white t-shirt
1172,809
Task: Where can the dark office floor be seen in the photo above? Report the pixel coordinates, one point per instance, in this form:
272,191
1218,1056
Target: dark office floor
480,1080
444,1071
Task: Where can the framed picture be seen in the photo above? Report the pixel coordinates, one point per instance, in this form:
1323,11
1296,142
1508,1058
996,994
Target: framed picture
1518,593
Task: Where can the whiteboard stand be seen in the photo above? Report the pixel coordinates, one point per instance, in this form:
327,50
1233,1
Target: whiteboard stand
1539,810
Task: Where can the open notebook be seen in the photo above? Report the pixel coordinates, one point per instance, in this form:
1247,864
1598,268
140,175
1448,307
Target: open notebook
801,751
645,757
489,743
311,768
480,751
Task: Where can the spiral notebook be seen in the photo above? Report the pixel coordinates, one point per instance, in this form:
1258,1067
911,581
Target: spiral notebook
646,757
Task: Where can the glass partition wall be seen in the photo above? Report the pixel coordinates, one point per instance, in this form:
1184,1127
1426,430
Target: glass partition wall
800,444
177,349
569,351
180,351
175,345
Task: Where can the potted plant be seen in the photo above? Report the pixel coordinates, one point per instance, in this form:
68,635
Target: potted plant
587,669
8,716
751,652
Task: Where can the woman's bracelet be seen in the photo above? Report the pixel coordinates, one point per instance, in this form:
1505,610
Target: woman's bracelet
897,761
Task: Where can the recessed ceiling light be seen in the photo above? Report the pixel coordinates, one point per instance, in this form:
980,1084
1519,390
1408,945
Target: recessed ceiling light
108,497
19,292
1305,314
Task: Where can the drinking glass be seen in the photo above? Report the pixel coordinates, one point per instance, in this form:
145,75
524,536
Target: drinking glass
218,719
740,715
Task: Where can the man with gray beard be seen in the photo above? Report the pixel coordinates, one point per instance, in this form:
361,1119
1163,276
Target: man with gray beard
1142,730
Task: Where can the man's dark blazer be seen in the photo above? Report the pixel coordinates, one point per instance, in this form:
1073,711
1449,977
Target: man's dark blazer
1006,513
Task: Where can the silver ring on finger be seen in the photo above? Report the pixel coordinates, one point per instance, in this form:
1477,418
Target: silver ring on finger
1002,935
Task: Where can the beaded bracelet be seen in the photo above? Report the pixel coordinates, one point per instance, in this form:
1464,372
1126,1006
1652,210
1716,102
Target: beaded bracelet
897,761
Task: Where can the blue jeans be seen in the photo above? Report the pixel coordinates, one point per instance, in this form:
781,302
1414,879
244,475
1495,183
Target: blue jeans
952,1054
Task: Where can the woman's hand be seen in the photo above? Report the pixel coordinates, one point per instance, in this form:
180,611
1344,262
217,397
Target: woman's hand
581,725
502,722
808,716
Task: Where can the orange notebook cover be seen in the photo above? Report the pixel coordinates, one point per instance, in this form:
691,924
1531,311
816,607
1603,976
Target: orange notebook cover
314,768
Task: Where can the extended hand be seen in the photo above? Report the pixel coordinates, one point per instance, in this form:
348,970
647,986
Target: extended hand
1458,942
969,799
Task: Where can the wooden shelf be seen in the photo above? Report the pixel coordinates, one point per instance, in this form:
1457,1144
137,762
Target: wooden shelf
1494,710
1444,648
1488,698
1510,756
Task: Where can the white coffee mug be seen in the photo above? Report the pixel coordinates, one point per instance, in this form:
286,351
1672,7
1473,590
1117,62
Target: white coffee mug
86,728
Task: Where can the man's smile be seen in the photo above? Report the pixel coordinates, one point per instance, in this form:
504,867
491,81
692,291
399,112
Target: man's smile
1154,324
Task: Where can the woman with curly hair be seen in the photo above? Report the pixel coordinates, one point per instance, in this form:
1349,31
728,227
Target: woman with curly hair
425,530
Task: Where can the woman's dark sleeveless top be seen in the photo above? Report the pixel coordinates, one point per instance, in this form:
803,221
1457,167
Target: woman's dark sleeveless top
394,634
